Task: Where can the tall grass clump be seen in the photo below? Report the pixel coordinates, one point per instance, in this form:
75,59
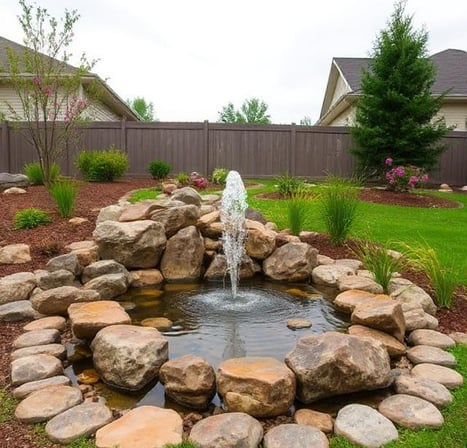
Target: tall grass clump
338,208
28,218
289,185
64,194
35,175
442,276
378,259
297,208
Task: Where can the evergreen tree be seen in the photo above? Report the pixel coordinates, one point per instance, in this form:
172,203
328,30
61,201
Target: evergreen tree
395,116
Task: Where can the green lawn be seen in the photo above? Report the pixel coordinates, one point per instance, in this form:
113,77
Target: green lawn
442,229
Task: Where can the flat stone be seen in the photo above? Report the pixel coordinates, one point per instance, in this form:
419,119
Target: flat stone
142,427
364,426
81,420
411,412
37,337
348,300
102,267
144,278
109,285
443,375
327,274
28,388
33,368
348,282
260,387
46,403
319,420
295,436
459,337
15,190
233,429
430,337
88,318
17,286
50,322
297,323
15,254
16,311
57,350
432,355
393,346
424,388
384,315
160,323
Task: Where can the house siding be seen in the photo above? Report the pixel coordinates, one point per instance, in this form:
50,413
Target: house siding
9,96
340,90
346,118
455,115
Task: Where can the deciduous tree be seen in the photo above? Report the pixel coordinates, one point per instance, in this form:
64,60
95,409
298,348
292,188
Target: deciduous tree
145,109
253,111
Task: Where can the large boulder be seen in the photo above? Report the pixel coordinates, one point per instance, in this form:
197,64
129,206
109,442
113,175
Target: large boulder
414,296
175,218
8,180
393,346
189,380
334,363
187,195
129,357
137,244
16,287
291,262
261,387
109,286
183,257
57,300
260,241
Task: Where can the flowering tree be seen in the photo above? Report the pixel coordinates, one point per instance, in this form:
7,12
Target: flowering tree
49,89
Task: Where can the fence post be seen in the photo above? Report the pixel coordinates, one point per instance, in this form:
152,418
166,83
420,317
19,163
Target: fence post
293,144
6,144
123,135
206,146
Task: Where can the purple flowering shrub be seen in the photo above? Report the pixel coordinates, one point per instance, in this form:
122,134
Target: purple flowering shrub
404,178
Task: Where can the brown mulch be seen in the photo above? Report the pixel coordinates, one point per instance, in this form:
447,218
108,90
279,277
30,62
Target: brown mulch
49,240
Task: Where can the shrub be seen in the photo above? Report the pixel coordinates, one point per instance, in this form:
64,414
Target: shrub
378,259
338,208
443,277
29,218
289,185
64,194
159,169
219,175
297,212
403,178
102,166
182,178
36,176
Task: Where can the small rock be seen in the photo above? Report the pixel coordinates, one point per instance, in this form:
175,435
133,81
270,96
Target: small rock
348,300
297,323
160,323
292,435
411,412
33,368
443,375
424,388
358,282
18,310
459,337
430,337
445,188
37,337
432,355
28,388
88,376
327,274
14,190
145,278
50,322
57,350
77,221
15,254
319,420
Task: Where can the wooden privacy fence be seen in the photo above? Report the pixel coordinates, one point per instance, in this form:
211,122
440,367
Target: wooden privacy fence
254,151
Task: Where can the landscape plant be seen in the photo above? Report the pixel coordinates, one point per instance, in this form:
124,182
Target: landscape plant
396,115
288,185
102,166
36,176
297,211
64,194
159,169
338,208
404,178
182,178
28,218
219,175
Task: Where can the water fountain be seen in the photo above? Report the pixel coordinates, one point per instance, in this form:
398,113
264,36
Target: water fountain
232,213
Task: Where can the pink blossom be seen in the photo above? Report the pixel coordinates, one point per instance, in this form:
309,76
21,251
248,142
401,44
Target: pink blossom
424,178
388,161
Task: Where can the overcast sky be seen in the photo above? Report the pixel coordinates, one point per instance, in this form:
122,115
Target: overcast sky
191,57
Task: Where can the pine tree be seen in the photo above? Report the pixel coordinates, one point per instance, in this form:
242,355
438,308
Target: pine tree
395,116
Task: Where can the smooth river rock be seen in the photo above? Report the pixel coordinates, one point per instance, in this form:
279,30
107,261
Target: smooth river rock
49,322
432,355
430,337
310,417
28,388
33,368
57,350
17,286
443,375
295,436
424,388
36,337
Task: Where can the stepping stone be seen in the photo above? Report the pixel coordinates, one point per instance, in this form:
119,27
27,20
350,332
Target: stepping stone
142,427
459,337
411,412
348,282
28,388
364,425
297,323
432,355
430,337
33,368
50,322
18,310
424,388
57,350
319,420
348,300
292,435
159,323
37,337
44,404
233,429
393,346
443,375
82,420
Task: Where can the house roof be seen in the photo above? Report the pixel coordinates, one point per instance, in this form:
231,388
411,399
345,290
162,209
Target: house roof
108,96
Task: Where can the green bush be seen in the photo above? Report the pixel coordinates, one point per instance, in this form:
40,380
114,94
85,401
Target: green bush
159,169
29,218
102,166
338,208
36,176
64,194
289,185
182,178
219,175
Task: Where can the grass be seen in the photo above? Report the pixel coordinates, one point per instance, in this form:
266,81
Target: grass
144,195
453,434
7,406
297,206
64,194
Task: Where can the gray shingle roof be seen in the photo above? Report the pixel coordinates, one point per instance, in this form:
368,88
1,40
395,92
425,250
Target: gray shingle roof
451,71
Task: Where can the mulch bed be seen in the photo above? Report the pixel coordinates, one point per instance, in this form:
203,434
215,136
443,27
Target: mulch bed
50,240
